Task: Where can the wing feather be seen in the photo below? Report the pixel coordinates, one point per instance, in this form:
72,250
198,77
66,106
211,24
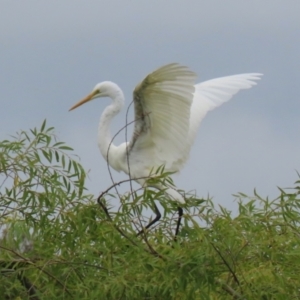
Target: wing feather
209,95
162,104
169,109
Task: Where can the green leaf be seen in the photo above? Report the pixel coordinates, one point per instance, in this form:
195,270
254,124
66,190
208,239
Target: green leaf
43,125
65,148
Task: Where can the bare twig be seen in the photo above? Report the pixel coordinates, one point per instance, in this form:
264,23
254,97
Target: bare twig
230,290
104,208
152,251
126,139
119,183
30,288
107,156
32,263
226,263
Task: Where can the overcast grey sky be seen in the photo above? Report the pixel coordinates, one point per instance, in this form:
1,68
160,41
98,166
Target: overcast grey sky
54,52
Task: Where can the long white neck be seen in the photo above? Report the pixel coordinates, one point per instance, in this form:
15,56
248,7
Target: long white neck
107,148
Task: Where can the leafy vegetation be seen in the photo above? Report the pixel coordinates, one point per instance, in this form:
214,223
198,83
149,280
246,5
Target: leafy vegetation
59,242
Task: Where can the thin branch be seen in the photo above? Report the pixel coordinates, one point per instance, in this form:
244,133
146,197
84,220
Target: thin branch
107,156
30,262
30,287
230,290
127,153
104,208
126,139
119,183
152,251
225,262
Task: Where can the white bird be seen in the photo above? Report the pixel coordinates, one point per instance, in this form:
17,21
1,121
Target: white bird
168,110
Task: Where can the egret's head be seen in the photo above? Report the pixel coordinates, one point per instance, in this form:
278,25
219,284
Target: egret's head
102,89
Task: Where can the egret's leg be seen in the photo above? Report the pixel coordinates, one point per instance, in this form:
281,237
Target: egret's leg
157,217
180,213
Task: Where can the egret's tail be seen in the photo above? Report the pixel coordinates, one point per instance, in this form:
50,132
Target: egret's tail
174,195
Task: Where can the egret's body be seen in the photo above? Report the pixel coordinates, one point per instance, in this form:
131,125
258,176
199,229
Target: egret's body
168,110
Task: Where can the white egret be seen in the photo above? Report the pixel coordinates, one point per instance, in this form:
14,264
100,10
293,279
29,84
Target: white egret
169,107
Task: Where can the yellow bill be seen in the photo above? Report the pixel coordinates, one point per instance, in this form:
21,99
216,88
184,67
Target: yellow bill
84,100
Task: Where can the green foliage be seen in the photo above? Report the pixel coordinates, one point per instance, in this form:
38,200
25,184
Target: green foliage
58,242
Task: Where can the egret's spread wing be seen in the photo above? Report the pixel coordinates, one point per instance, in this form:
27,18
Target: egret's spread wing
209,95
162,104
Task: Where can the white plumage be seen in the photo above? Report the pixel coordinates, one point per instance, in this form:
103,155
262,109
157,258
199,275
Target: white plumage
168,110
